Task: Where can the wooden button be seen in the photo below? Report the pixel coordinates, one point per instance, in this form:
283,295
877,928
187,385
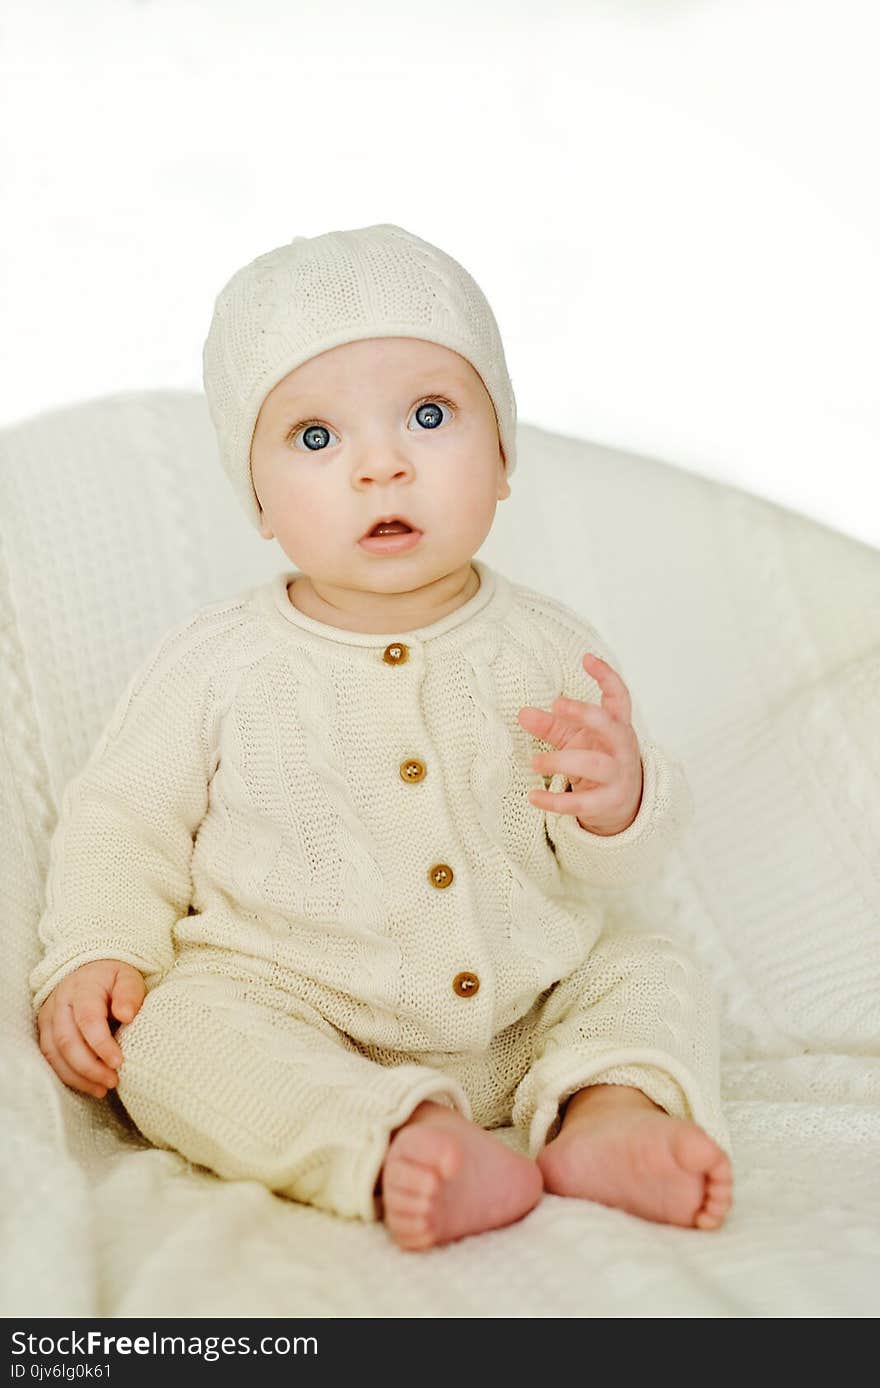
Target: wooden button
466,984
440,875
396,654
412,770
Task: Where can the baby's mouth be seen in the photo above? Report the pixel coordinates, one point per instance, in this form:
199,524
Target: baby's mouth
394,525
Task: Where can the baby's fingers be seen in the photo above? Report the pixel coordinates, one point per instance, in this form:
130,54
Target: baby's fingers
91,1018
535,720
64,1071
76,1052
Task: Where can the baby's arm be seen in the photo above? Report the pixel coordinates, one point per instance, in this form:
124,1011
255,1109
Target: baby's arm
655,806
119,874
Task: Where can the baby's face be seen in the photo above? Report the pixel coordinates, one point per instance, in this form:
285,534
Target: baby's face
343,440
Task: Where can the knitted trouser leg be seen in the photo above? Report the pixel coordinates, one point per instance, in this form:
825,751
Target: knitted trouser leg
488,1078
640,1011
213,1070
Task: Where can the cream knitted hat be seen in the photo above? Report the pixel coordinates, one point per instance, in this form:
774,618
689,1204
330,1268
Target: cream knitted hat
319,291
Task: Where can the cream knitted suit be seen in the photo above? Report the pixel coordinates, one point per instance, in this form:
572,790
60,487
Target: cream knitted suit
304,837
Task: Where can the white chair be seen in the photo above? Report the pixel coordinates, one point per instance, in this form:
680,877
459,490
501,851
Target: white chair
750,638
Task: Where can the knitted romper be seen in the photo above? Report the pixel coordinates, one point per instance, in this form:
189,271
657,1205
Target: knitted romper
317,846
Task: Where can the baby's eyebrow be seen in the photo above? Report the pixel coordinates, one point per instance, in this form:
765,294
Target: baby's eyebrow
438,378
298,404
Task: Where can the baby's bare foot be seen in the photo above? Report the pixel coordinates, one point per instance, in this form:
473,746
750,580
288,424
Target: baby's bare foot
444,1177
621,1149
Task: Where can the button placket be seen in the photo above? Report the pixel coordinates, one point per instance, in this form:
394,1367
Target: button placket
440,875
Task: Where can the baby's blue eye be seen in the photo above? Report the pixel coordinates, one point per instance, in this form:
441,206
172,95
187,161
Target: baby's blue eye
315,437
429,413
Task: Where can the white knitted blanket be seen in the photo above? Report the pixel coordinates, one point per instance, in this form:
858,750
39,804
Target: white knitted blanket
751,638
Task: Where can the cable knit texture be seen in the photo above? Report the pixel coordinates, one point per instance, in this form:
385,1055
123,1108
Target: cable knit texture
339,822
751,635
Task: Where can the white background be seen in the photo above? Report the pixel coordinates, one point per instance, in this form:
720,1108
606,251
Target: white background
672,207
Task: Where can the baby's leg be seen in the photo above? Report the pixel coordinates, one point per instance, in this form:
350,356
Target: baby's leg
244,1080
631,1040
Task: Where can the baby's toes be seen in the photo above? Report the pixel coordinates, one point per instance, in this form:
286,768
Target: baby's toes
713,1212
424,1148
407,1182
409,1190
409,1195
697,1153
718,1198
719,1182
417,1168
718,1195
410,1228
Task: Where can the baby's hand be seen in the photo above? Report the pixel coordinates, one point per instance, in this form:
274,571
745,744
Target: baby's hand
601,760
75,1034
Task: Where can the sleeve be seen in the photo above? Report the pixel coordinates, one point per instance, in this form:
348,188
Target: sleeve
667,802
119,859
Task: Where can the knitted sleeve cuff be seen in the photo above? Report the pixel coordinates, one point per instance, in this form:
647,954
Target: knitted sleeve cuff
537,1107
635,854
659,1086
57,966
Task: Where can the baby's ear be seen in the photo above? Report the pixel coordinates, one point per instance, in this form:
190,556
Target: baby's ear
503,484
265,530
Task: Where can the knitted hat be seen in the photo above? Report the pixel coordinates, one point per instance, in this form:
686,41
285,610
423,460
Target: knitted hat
319,291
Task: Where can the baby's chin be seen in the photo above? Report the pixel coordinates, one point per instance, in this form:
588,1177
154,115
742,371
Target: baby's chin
422,591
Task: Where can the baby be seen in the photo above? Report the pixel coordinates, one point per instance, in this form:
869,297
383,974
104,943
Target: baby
336,864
